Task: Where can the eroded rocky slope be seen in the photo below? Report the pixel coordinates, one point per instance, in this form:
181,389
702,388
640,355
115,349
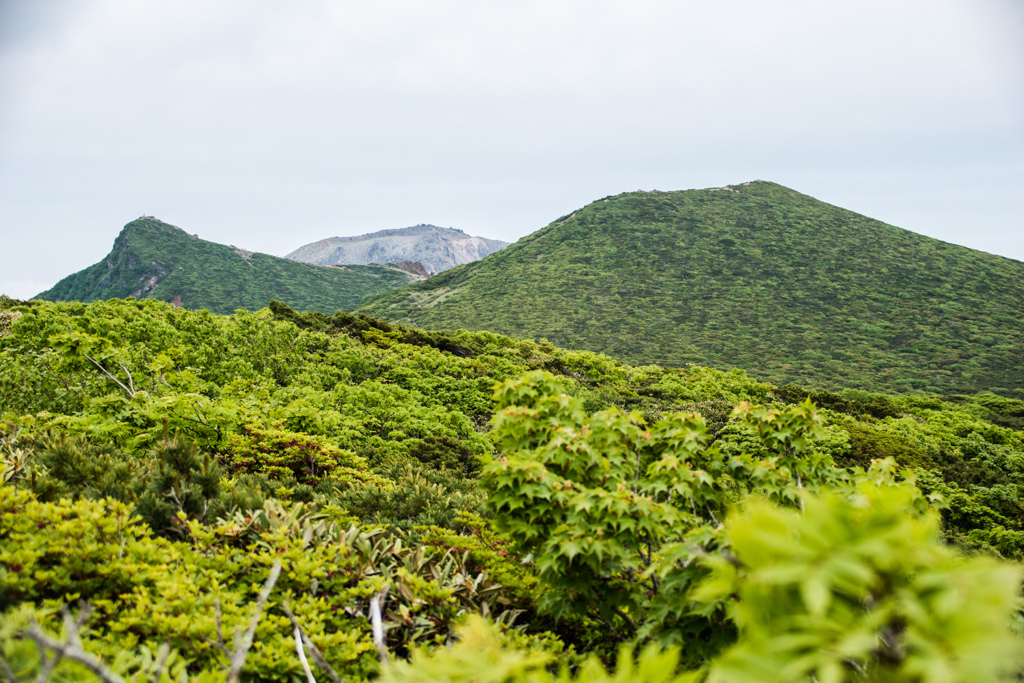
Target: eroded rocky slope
436,248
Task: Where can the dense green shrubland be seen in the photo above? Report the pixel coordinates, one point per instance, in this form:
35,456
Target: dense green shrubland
755,276
158,463
853,588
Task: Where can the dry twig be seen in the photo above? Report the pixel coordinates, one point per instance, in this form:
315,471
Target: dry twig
318,657
302,656
7,671
130,392
244,642
377,625
69,649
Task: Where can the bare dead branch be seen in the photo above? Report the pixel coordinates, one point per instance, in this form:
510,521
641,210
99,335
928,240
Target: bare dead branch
852,663
377,625
70,649
49,663
244,642
625,617
199,417
609,624
7,671
130,392
302,657
131,383
219,643
220,627
161,662
318,657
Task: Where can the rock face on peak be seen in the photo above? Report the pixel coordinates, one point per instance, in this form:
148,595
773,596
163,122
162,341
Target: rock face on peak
156,260
436,248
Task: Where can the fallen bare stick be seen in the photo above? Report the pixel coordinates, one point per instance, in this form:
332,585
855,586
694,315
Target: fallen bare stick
7,671
318,656
70,649
244,642
376,623
302,656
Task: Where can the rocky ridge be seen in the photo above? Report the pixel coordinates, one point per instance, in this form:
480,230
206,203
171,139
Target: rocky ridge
438,249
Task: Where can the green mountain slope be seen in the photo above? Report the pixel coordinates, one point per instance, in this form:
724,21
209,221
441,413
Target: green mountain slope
154,260
757,276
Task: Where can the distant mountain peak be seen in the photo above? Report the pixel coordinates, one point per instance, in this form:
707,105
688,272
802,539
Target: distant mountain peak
144,219
152,259
436,248
753,275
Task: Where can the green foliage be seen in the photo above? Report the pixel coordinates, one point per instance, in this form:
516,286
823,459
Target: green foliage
614,513
157,461
855,589
148,590
490,552
182,481
850,402
116,370
852,588
411,499
754,276
25,660
278,452
58,465
479,657
153,260
1002,411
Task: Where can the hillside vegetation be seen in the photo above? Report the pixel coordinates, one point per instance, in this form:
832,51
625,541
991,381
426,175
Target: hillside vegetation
195,480
154,260
756,276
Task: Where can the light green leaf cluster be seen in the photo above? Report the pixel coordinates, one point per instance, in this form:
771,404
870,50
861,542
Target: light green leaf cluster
851,589
616,514
147,590
854,588
479,657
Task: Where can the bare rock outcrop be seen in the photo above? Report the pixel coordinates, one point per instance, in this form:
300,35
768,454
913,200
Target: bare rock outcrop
436,248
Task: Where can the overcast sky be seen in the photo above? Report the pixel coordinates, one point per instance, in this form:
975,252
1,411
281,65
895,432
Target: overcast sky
271,124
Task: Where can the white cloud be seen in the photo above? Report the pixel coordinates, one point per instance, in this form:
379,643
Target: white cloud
24,289
271,123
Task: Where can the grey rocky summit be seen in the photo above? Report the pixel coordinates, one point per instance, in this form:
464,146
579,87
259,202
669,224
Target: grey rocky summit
436,248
